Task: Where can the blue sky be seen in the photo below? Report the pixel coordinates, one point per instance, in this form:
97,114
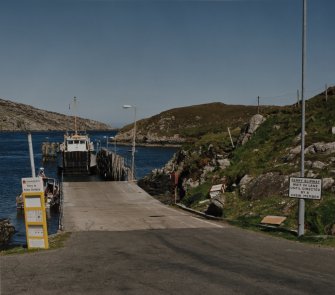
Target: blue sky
160,54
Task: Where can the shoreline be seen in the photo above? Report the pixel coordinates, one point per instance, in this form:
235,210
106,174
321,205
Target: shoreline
167,145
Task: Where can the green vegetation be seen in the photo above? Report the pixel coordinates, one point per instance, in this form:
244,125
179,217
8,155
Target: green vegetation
196,195
268,150
199,120
269,146
55,242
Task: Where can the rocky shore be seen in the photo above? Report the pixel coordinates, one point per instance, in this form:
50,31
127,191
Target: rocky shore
6,231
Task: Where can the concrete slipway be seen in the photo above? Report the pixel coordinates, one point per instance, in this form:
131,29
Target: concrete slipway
120,206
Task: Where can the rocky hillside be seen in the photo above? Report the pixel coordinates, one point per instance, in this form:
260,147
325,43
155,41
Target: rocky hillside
256,167
20,117
185,124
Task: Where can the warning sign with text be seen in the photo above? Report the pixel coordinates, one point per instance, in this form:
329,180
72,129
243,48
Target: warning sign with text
305,188
32,184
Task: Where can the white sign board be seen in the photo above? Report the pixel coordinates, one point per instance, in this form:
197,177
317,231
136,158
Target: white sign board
35,231
37,243
305,188
34,215
33,201
32,185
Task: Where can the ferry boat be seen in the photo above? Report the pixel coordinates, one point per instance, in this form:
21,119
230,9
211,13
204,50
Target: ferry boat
77,155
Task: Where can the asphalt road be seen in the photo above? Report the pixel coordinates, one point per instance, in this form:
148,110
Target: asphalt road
204,258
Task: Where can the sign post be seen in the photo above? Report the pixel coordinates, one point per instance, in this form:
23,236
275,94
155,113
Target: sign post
34,213
305,188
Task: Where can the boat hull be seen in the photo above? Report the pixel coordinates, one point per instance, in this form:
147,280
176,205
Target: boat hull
77,162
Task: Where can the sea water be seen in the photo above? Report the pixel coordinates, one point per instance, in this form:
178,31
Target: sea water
15,164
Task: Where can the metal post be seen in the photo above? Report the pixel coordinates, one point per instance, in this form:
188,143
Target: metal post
31,155
231,140
326,93
134,147
75,115
298,98
257,104
127,106
301,227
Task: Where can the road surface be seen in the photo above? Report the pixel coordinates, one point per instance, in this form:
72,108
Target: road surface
152,249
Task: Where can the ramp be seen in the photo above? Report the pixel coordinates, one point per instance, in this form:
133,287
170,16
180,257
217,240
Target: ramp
120,206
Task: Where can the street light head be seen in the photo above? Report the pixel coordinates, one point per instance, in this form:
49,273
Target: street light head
127,106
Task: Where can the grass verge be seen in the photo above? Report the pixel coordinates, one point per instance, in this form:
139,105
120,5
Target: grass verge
55,242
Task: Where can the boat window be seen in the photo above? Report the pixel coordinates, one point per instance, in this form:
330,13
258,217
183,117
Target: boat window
82,141
70,142
76,141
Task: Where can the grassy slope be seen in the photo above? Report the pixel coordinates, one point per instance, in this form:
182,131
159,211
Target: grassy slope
198,120
267,151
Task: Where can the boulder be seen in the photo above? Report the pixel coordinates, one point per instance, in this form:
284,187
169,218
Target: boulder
311,174
215,207
190,183
246,179
266,185
255,122
321,147
327,183
6,231
332,231
223,163
156,183
318,165
250,128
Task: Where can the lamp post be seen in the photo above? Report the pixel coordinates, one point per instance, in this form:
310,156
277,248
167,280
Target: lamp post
301,215
127,106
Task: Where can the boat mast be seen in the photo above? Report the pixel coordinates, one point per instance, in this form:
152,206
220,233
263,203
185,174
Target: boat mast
74,111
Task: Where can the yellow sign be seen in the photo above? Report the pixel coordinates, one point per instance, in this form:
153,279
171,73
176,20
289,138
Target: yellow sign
35,219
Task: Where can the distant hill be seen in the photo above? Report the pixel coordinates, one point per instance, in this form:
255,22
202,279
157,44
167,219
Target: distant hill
19,117
188,123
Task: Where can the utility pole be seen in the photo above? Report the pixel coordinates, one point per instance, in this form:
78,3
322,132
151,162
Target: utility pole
75,116
301,221
326,91
257,104
298,98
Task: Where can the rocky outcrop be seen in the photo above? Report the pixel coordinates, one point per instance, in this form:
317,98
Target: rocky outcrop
315,148
274,184
263,186
250,128
157,183
6,231
22,117
321,147
216,207
150,138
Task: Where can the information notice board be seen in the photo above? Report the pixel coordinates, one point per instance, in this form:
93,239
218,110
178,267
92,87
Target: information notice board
305,188
35,215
